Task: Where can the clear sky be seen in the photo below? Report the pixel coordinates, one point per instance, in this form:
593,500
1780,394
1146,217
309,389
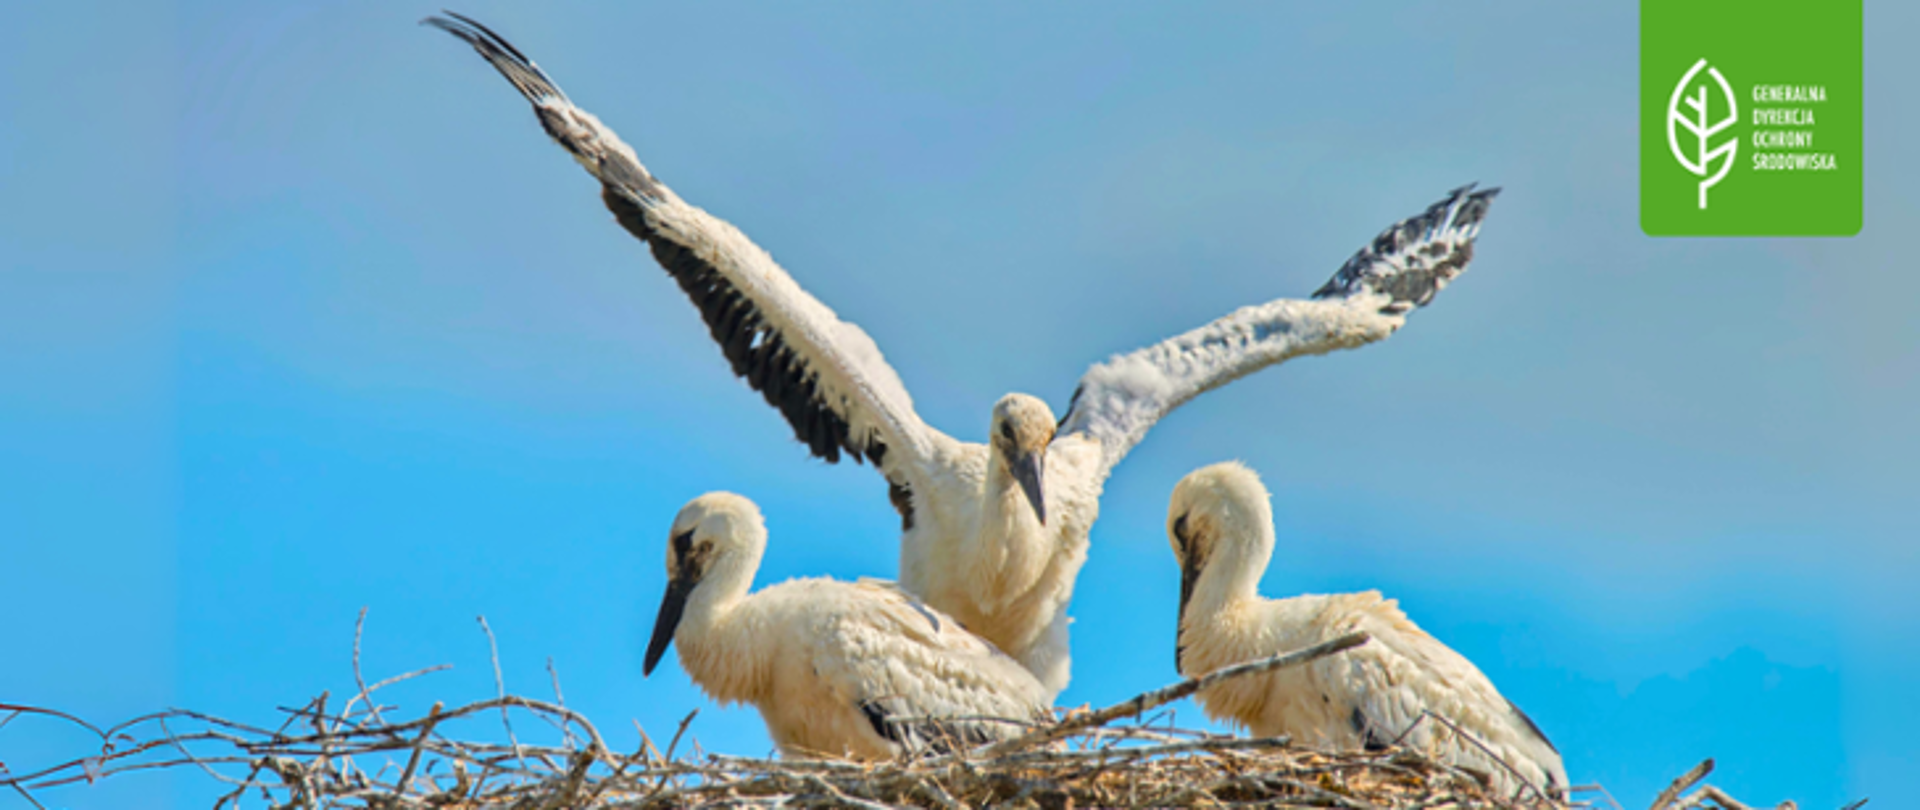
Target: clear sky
300,312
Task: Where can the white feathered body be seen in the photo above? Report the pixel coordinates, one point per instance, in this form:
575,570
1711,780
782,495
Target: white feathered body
809,653
1367,696
977,551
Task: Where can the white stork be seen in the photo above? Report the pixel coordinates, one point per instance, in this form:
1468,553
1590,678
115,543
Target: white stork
993,533
843,670
1403,687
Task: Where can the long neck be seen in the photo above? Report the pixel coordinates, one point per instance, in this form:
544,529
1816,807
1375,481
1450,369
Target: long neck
1232,572
716,638
1004,500
1010,546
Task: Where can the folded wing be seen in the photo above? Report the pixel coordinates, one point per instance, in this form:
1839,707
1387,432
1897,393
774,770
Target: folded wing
1408,689
925,683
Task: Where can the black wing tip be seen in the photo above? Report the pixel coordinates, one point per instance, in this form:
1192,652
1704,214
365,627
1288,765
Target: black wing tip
883,725
1455,217
526,76
1532,726
457,26
1466,206
920,735
1468,212
490,35
476,34
482,38
733,320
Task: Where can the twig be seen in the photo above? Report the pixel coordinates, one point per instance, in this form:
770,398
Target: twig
1597,788
1667,797
576,778
317,706
675,742
22,790
408,676
178,744
419,743
672,744
558,698
18,710
373,711
640,755
646,742
1161,697
500,688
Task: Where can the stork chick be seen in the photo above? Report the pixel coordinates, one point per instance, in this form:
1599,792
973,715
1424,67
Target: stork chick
1374,696
838,670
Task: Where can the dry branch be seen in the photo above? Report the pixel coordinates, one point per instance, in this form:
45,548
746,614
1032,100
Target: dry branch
1160,697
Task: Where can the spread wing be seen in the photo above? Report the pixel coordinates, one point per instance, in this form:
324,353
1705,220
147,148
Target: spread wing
822,373
922,680
1369,298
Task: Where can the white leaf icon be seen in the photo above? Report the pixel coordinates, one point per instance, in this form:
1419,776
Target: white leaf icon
1703,131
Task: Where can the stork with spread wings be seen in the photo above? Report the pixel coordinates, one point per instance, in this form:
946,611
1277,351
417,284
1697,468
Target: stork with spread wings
993,534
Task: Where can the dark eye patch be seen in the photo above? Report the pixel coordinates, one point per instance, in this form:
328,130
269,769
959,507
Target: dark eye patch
1006,429
692,558
1180,531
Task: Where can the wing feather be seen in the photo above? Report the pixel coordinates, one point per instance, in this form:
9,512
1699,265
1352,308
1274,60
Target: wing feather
1410,689
1366,300
824,375
922,680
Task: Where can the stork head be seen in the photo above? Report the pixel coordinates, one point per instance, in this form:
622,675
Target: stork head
1220,525
714,546
1022,428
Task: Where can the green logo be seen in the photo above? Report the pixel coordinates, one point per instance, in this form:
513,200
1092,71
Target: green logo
1750,117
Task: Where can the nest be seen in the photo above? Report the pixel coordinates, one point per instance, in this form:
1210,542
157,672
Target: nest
364,755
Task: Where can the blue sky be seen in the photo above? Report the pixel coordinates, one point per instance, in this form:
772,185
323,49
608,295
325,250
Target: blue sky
301,313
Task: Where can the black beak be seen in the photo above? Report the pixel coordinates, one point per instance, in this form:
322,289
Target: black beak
670,608
1189,574
1026,469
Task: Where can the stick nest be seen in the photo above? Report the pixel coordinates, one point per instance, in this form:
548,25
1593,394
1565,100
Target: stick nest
364,755
348,759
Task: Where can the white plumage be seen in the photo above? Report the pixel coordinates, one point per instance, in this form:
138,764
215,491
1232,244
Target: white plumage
994,534
856,670
1388,691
